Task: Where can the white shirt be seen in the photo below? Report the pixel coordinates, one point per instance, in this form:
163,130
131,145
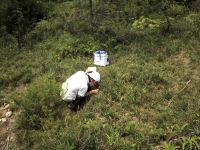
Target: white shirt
76,85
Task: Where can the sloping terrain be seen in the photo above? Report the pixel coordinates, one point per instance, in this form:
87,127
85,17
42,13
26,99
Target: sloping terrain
141,102
149,94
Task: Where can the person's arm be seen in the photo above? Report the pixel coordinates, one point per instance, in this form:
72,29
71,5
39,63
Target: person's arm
84,92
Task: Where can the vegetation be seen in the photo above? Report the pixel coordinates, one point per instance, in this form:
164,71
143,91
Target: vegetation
149,95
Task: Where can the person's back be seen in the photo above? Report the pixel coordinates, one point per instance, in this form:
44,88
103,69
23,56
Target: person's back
76,85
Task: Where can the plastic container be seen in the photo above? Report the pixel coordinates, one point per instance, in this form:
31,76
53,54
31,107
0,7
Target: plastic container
100,58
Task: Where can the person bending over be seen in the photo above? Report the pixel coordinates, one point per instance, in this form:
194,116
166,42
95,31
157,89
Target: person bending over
78,86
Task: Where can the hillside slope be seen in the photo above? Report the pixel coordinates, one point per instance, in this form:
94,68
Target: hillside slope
143,102
149,94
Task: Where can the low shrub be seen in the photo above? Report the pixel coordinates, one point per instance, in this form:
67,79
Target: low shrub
37,104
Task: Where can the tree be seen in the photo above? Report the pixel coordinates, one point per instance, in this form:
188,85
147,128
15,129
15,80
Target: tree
91,9
21,16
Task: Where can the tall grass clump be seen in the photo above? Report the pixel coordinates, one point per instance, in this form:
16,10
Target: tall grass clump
37,103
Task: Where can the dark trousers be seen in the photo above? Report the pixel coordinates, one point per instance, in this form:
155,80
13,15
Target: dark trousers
78,103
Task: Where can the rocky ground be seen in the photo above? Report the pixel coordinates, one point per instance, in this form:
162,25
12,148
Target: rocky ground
7,119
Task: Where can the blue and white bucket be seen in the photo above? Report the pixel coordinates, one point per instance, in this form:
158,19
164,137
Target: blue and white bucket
100,58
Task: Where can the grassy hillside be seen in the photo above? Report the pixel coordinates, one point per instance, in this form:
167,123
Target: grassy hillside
149,94
143,102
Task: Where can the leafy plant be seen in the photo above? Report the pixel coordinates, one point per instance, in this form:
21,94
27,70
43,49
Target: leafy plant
147,24
190,142
169,146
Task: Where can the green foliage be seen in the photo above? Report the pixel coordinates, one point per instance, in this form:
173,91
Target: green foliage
19,17
176,9
148,72
77,47
14,72
147,24
112,136
169,146
191,142
129,127
38,102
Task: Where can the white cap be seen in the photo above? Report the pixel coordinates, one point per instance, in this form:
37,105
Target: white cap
95,75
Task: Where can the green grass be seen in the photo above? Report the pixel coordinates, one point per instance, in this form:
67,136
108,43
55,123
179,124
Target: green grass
130,111
149,95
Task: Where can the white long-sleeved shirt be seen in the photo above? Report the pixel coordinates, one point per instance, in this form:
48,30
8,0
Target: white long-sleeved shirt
75,85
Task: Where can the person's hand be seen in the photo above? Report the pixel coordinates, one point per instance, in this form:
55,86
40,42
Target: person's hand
94,91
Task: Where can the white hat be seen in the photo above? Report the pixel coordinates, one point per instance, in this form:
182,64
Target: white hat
95,75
